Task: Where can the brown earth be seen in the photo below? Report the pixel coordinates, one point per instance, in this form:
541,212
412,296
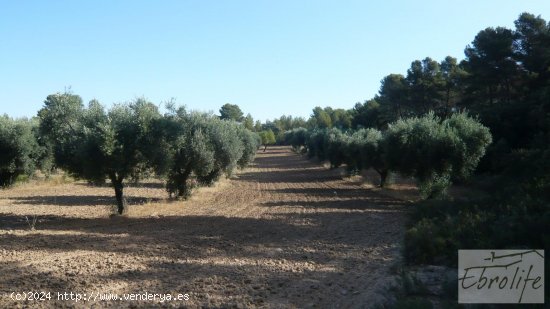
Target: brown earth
284,233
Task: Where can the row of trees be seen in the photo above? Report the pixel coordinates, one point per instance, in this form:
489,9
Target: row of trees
270,132
128,142
504,82
434,151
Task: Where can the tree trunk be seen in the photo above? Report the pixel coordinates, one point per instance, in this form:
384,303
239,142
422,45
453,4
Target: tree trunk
383,177
265,148
119,193
183,188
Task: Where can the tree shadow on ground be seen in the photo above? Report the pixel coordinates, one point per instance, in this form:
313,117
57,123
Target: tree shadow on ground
352,204
179,233
292,176
258,261
79,200
330,192
145,184
282,162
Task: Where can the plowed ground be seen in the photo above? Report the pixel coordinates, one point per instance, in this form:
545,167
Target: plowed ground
284,233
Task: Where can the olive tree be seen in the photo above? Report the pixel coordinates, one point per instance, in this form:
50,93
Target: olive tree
435,151
366,151
316,144
19,149
187,151
228,148
250,141
336,144
474,140
297,138
268,138
96,145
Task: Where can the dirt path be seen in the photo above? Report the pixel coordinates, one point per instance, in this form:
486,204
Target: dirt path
285,233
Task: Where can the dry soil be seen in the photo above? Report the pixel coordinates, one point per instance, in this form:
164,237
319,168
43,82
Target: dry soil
283,233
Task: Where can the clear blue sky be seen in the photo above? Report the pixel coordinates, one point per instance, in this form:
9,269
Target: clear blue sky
269,57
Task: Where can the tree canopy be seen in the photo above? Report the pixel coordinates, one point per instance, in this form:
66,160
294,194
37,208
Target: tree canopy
231,112
19,149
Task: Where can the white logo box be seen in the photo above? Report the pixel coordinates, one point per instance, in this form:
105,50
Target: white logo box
501,276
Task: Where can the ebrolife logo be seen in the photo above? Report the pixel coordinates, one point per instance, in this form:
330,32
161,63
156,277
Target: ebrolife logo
501,276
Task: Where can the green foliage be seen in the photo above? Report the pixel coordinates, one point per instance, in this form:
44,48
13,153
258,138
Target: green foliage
257,126
285,123
60,121
94,145
326,118
433,151
393,97
297,138
421,148
133,140
321,118
267,137
231,112
251,141
474,138
228,148
19,149
336,144
316,144
193,148
441,227
367,115
187,150
366,150
248,122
